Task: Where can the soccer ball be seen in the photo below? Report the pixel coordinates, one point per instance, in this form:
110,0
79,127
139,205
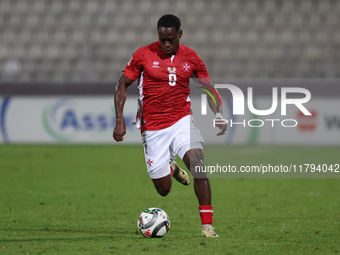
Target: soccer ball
153,222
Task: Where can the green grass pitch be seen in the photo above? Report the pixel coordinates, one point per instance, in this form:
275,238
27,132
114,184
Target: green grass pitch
86,200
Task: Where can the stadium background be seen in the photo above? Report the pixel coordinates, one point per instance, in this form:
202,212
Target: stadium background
68,49
92,40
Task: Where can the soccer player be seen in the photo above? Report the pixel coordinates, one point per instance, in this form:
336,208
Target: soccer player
163,70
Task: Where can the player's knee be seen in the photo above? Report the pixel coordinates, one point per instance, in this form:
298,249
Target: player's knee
163,191
163,185
198,174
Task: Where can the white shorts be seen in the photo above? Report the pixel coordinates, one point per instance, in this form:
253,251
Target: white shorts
161,146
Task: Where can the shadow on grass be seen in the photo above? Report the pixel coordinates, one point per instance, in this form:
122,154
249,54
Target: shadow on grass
122,232
54,239
91,231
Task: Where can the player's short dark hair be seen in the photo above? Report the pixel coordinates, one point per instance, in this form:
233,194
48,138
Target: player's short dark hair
169,20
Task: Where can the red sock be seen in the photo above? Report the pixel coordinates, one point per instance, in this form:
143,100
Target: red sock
172,171
206,213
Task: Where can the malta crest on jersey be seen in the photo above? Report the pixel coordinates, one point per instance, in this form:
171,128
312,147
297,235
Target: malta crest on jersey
172,69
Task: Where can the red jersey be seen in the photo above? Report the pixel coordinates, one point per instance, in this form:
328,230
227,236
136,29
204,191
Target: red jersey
163,84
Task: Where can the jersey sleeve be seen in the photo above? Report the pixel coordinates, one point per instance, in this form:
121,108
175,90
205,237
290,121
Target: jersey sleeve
201,70
135,66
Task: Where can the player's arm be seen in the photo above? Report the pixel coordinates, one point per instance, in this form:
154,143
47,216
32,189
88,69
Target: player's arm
213,100
120,99
200,75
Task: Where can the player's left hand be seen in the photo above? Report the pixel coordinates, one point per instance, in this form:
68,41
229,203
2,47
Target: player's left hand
223,127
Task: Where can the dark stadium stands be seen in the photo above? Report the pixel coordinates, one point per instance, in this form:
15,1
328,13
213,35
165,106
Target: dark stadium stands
92,40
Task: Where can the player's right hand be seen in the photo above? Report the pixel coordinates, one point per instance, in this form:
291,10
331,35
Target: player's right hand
119,132
223,127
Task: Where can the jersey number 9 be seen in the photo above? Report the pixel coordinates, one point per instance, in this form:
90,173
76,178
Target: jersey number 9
172,79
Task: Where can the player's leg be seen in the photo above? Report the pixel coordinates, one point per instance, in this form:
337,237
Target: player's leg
189,146
157,157
191,159
163,184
